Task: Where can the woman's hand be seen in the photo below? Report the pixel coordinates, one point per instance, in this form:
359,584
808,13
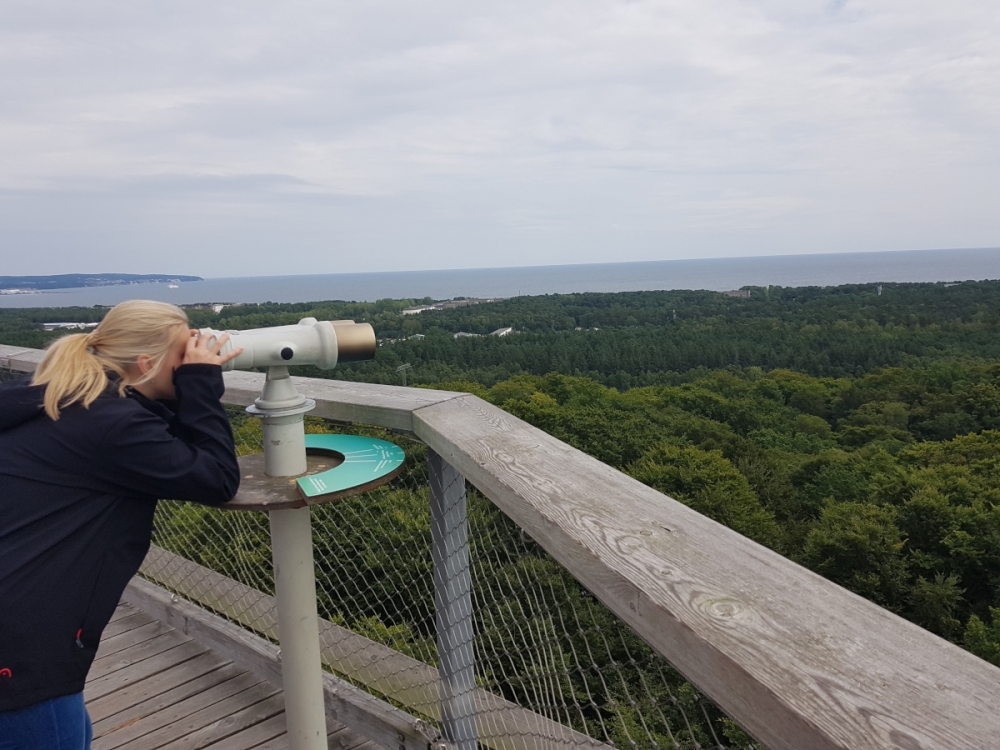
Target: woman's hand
200,350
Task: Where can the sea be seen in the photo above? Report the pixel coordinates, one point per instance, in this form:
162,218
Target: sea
717,274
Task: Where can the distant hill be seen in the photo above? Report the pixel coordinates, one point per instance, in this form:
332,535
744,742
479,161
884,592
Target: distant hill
68,280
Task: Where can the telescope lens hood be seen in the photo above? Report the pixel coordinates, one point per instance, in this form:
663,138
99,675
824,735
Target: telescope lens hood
355,341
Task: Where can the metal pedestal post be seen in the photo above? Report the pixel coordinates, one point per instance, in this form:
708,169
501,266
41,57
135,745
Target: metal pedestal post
301,669
281,410
453,603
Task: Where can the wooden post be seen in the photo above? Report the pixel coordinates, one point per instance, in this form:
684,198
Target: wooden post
453,603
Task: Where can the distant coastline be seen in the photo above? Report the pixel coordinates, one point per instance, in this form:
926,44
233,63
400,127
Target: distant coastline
423,287
34,284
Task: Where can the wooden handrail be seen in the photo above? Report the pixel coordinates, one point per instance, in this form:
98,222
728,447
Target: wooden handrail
798,661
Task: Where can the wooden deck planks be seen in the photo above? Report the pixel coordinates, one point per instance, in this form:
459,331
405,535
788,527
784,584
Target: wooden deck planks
111,643
135,653
128,622
181,717
169,705
155,688
246,691
198,674
253,736
251,707
144,669
371,718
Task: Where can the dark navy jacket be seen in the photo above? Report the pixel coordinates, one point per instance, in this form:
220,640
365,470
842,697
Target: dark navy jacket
77,497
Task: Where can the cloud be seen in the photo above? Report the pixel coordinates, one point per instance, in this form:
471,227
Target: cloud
314,136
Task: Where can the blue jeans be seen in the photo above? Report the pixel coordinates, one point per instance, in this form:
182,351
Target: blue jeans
56,724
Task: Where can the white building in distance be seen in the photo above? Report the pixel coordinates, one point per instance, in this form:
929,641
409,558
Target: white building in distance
67,326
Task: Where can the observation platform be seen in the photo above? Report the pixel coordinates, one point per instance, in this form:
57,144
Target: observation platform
795,660
153,687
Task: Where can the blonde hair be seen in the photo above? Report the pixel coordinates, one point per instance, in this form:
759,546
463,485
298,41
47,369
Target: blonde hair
75,367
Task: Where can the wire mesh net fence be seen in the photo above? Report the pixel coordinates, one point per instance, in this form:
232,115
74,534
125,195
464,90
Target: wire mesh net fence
552,665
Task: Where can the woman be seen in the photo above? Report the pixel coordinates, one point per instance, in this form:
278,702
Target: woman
111,420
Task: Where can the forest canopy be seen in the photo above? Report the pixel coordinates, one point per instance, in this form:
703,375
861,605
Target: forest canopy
632,339
854,429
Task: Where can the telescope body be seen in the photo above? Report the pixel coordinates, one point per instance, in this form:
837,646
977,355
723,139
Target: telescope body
321,343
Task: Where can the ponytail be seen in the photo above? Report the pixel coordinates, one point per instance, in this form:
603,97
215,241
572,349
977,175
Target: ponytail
70,373
75,368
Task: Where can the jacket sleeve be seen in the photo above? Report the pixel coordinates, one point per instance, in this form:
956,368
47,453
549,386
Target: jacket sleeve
194,460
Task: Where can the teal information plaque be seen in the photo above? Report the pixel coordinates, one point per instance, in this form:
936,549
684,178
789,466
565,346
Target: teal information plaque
366,461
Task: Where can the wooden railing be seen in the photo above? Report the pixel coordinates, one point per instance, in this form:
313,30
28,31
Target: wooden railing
799,662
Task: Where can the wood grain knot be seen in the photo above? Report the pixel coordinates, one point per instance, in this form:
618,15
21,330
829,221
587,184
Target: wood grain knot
729,609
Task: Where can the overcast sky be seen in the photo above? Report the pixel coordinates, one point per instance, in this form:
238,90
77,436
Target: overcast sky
251,138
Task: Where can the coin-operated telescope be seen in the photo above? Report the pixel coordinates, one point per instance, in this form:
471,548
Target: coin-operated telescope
321,343
311,342
281,408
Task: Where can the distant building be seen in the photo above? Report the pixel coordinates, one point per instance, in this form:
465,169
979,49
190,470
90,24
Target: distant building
67,326
737,293
464,334
215,307
415,337
450,304
502,331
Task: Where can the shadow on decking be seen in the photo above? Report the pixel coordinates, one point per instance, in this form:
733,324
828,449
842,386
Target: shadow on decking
153,687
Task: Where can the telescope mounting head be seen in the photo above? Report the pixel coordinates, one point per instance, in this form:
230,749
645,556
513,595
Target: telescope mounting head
280,397
320,343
